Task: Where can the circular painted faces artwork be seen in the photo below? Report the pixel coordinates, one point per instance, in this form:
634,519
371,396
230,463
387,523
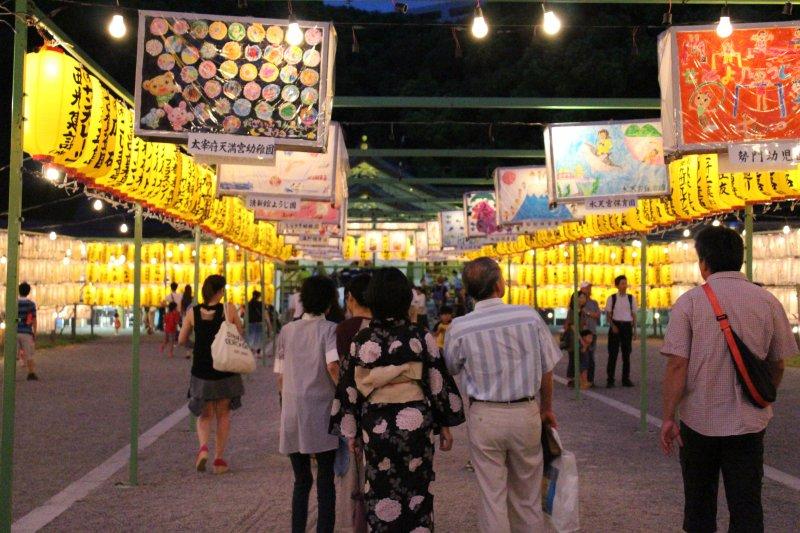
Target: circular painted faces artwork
231,71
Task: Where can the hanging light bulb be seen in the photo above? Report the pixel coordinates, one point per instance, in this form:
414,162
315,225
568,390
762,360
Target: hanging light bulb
687,233
479,27
117,28
551,24
53,236
123,228
218,241
97,205
51,173
724,27
294,35
786,229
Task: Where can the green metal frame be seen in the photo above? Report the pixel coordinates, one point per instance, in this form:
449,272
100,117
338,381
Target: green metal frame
467,153
576,319
643,388
12,270
748,241
471,102
133,465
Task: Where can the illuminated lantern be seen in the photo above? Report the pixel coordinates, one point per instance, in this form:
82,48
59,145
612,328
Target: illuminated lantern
58,101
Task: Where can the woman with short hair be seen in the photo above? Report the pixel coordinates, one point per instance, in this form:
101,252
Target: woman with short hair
212,394
307,365
395,393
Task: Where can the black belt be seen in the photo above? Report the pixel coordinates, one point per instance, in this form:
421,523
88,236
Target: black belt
520,400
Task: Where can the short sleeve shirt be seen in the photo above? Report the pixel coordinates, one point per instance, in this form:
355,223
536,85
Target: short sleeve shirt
624,310
27,316
589,322
713,403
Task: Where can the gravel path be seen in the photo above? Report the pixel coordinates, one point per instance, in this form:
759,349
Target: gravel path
77,416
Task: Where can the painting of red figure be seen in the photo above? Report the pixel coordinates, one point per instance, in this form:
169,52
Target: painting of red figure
742,88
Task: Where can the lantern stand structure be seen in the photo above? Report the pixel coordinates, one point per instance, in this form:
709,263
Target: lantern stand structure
535,285
225,271
643,389
263,314
196,300
12,268
748,241
246,320
576,335
133,465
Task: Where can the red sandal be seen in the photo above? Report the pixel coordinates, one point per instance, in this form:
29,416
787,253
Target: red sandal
220,466
202,459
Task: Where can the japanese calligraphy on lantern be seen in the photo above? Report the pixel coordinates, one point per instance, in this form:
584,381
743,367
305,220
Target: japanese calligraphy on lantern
783,155
213,148
522,198
605,159
306,175
741,88
234,75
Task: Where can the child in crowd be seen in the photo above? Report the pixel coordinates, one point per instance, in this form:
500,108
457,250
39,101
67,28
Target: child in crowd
117,323
587,338
440,329
171,329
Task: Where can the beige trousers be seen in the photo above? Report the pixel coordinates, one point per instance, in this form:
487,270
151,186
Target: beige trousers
506,450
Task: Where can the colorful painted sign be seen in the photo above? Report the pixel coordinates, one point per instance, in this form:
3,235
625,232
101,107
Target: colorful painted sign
434,230
480,211
454,228
522,198
605,159
741,88
306,175
233,75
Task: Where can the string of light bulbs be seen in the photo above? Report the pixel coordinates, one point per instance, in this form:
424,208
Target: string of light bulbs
551,23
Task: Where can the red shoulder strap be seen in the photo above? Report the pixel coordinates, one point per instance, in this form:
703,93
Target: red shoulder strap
725,326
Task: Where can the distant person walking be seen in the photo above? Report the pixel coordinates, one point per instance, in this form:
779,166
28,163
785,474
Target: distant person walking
117,323
396,394
307,364
26,330
212,394
720,430
508,355
171,322
621,315
255,322
174,296
569,335
186,302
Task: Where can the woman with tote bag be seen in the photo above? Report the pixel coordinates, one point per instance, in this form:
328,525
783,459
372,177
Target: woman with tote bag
212,394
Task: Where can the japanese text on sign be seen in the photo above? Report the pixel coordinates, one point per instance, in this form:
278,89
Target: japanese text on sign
222,147
762,156
610,204
266,202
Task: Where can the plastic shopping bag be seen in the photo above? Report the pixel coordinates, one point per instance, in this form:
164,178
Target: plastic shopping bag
560,494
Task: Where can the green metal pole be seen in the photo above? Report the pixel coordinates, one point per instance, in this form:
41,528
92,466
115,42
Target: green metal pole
508,266
12,269
196,293
644,399
225,271
197,264
133,466
576,335
263,314
535,285
246,286
748,241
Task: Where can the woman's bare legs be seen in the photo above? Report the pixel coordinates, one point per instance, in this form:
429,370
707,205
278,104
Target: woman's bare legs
204,423
222,409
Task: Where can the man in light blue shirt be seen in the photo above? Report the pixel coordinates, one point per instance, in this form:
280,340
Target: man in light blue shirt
508,356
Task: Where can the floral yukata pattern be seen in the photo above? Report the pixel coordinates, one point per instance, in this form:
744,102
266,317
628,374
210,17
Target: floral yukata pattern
398,438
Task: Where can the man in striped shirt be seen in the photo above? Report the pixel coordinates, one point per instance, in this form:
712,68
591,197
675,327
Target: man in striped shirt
507,354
